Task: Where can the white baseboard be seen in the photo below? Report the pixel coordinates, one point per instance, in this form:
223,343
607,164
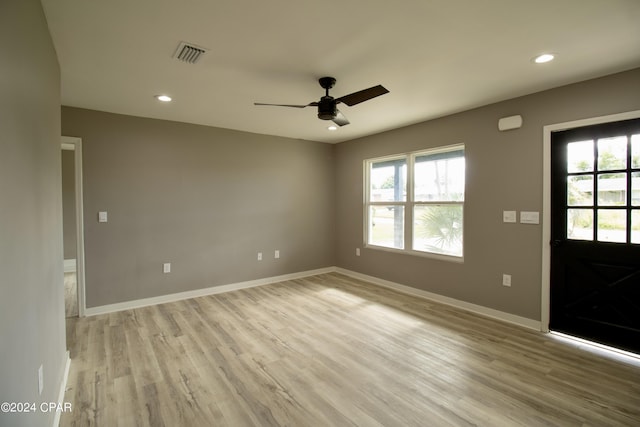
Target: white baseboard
63,388
69,265
463,305
163,299
473,308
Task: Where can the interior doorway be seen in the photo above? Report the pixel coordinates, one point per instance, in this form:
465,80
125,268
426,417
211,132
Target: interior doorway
73,226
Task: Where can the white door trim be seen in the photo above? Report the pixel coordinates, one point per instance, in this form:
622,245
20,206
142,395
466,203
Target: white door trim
75,144
545,303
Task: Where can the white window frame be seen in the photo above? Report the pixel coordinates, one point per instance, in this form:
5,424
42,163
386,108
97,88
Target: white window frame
408,204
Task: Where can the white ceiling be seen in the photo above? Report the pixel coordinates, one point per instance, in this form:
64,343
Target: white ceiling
436,57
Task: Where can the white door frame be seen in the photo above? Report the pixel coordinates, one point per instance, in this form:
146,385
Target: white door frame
545,303
75,144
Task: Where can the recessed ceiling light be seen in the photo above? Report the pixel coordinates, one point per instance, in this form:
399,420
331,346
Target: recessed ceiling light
332,127
163,98
545,57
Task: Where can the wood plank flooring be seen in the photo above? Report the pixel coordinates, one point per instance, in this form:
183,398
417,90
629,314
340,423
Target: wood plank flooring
70,295
330,350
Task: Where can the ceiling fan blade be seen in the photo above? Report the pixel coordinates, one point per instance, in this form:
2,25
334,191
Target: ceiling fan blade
363,95
340,119
287,105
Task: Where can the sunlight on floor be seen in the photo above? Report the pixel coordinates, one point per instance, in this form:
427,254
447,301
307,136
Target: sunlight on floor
599,349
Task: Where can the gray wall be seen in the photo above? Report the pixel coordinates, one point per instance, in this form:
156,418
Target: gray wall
504,172
32,330
205,199
69,203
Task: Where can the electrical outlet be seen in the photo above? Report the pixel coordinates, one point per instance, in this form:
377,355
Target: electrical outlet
357,251
166,267
40,379
259,256
506,280
276,255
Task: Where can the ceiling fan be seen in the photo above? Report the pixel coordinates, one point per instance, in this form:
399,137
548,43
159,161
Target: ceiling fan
327,106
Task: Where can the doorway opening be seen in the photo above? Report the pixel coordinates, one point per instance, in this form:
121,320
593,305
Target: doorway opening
73,226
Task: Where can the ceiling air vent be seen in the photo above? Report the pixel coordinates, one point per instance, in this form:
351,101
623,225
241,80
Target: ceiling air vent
188,52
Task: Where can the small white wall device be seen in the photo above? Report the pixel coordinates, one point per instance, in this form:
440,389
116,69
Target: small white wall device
508,123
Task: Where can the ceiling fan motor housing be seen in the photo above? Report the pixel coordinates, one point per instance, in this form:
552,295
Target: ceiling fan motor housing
327,109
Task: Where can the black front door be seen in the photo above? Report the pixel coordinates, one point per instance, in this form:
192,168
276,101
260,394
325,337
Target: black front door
595,233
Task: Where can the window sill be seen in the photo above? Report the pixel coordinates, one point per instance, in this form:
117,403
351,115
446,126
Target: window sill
439,257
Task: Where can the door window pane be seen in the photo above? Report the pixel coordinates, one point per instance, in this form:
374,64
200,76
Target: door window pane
612,189
635,151
387,180
386,226
612,225
580,190
438,229
635,189
580,156
580,224
635,226
612,153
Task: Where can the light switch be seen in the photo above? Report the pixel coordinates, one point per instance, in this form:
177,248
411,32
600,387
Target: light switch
506,280
102,216
508,216
529,217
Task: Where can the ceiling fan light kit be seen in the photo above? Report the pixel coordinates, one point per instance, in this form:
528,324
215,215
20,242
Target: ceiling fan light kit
328,105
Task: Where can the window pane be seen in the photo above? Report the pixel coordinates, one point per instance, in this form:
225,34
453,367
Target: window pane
387,180
635,151
439,177
635,189
386,226
635,226
612,189
612,153
580,190
580,156
612,225
580,224
438,229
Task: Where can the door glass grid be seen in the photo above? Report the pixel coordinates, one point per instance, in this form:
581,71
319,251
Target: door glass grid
603,186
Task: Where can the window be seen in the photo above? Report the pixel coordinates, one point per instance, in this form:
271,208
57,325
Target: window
415,202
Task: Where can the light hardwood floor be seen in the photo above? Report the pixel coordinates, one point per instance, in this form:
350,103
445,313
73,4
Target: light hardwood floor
330,350
70,295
